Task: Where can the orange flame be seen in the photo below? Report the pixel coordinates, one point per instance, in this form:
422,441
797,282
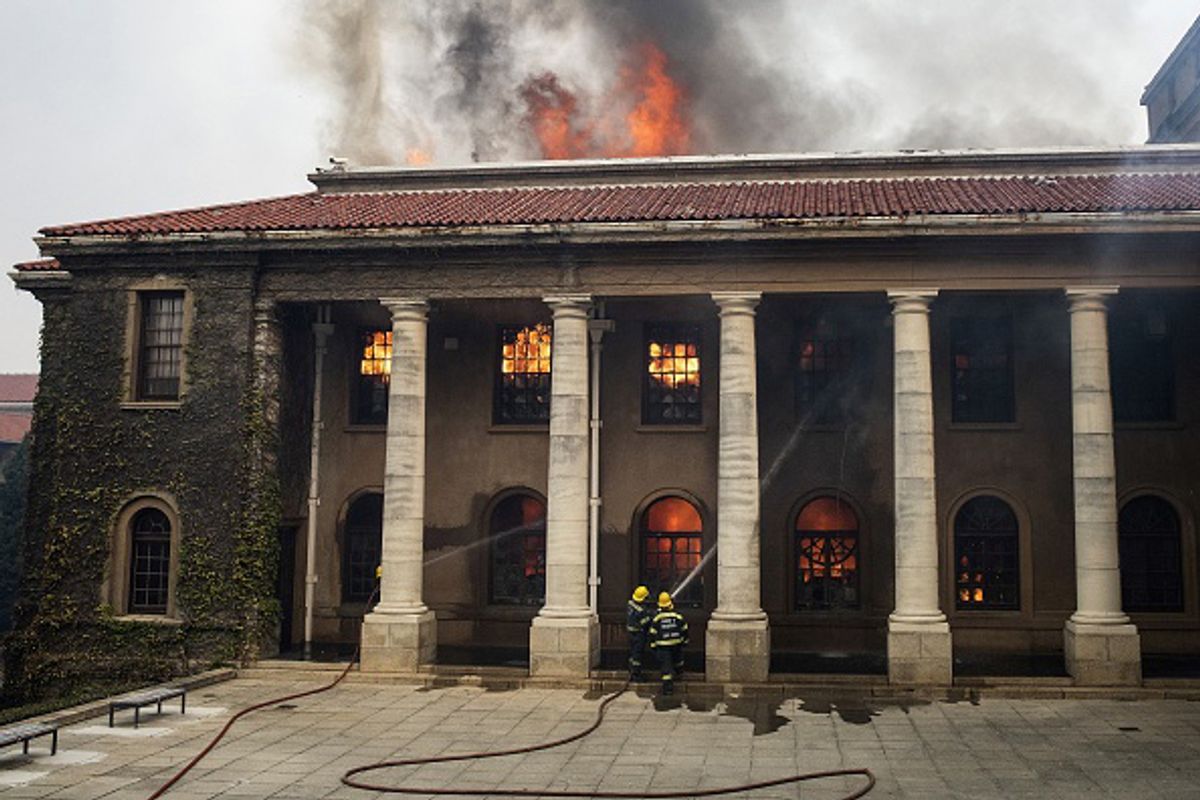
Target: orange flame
656,123
417,156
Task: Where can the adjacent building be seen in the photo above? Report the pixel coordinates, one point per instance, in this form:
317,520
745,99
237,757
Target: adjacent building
16,413
904,406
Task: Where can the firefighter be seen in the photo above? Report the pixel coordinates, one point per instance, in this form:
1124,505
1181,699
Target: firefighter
668,634
637,620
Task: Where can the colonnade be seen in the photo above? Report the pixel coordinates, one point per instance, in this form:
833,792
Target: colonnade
1100,644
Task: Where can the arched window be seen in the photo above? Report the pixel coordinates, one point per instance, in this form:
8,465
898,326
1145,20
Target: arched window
363,548
1151,568
826,556
672,540
149,562
987,567
517,531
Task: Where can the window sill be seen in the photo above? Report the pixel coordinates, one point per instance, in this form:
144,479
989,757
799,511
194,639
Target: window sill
1157,425
984,426
155,619
352,428
690,428
152,405
544,428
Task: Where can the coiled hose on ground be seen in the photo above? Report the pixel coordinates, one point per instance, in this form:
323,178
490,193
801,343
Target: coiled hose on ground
349,778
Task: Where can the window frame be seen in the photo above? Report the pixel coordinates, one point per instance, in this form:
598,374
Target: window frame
847,360
492,550
117,587
954,335
358,381
498,388
1123,321
680,332
137,538
794,537
137,294
641,521
1021,604
347,531
1182,555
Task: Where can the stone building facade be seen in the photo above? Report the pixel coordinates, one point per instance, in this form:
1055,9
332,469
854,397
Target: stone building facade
909,406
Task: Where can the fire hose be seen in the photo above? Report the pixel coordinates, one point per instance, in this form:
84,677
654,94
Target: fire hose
349,778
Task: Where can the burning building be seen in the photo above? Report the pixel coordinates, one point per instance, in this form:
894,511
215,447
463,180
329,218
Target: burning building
918,405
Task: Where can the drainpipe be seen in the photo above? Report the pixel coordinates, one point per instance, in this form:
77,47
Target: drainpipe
596,328
322,328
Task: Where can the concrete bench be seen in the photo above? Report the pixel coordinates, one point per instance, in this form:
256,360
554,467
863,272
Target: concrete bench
29,730
148,697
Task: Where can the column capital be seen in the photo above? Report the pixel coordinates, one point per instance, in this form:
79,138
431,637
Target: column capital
736,302
568,304
911,301
407,308
1089,298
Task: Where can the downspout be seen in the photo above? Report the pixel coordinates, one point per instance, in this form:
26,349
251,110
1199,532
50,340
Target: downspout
596,329
322,328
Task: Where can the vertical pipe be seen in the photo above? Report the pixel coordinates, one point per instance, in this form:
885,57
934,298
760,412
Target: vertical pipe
321,330
596,328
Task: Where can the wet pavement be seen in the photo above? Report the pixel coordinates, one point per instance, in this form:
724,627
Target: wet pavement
975,748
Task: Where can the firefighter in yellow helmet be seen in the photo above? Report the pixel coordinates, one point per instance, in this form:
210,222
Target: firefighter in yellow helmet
668,635
637,620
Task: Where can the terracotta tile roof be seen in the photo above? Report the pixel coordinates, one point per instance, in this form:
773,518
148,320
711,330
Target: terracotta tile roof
795,199
40,265
13,427
18,388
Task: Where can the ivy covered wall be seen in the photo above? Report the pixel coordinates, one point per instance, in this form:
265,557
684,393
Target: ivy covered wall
90,457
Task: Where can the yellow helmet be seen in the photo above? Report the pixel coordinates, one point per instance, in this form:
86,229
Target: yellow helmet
664,600
640,594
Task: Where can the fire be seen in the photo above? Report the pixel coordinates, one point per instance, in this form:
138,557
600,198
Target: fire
416,156
655,124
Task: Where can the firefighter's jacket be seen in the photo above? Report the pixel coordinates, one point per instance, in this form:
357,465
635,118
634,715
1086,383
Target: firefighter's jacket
637,617
668,629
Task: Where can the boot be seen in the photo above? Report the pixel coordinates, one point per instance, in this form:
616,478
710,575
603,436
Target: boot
668,688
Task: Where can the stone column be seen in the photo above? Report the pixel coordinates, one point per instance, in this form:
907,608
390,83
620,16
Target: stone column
564,639
918,635
738,642
1101,646
401,633
262,486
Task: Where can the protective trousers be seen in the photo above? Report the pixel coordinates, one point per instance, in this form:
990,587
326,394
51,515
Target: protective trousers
637,651
670,661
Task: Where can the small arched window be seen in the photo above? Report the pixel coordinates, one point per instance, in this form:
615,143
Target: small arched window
672,535
149,562
826,556
517,530
1149,546
364,545
987,566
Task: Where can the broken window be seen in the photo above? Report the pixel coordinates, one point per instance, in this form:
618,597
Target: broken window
672,390
986,556
824,353
826,556
160,346
372,378
523,380
363,547
1143,371
672,548
517,531
982,374
1149,546
150,562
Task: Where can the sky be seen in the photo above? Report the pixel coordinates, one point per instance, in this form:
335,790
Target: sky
116,107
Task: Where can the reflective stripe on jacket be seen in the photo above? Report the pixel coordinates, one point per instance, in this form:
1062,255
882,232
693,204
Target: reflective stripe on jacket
637,617
668,629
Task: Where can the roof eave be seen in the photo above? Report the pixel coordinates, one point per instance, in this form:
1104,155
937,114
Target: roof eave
35,280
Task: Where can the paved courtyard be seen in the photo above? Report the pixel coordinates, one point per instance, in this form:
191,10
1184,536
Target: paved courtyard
995,748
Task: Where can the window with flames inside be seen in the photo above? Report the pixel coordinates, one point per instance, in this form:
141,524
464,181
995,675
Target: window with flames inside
672,391
374,375
523,381
672,544
518,536
826,556
985,551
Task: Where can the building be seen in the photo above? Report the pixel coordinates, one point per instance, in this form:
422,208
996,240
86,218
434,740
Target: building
16,413
1172,98
919,405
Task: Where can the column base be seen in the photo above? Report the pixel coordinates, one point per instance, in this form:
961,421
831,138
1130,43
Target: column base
1103,655
737,651
564,647
398,642
920,653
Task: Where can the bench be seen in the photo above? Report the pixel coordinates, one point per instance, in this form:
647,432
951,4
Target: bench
148,697
29,730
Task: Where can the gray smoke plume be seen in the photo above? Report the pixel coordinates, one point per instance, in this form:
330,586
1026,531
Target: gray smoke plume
453,79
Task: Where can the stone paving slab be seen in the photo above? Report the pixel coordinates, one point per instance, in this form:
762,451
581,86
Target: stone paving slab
983,748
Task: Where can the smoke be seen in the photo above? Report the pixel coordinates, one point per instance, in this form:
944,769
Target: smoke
460,80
